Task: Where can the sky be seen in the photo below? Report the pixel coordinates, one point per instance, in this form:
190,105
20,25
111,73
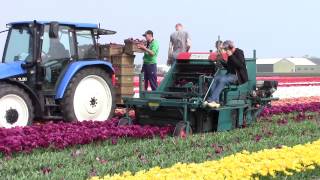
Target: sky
275,28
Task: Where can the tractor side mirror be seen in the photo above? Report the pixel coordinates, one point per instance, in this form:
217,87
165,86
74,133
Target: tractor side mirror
54,30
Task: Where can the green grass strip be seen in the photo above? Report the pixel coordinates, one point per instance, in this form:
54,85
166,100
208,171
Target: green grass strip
98,159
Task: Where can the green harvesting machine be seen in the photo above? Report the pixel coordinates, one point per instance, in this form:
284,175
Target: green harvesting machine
179,98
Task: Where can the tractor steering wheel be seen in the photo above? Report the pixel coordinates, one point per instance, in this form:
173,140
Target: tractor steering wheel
50,62
45,53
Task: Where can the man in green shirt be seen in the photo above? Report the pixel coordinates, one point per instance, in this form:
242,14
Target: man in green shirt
150,57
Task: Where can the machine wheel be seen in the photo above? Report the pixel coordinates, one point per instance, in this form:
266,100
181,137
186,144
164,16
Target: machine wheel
89,96
16,107
124,121
181,130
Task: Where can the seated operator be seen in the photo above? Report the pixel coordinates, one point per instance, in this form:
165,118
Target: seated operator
57,50
236,73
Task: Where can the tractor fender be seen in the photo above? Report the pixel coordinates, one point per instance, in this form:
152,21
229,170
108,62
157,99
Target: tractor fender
32,94
74,67
8,70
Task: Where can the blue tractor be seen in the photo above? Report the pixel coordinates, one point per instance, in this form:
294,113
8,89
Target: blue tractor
51,70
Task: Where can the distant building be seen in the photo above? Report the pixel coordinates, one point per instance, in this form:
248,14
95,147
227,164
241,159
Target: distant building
266,64
287,65
316,61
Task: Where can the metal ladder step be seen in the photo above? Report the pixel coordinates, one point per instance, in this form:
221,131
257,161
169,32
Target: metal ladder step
51,105
53,117
52,110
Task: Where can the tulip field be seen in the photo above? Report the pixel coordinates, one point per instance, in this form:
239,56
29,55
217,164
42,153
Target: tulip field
284,143
294,87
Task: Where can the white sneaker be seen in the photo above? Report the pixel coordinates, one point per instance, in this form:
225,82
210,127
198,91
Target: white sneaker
205,104
214,105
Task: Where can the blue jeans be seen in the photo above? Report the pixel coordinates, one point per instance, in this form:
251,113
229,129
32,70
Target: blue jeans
219,82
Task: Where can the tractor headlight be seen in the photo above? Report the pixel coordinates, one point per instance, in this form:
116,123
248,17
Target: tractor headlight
153,105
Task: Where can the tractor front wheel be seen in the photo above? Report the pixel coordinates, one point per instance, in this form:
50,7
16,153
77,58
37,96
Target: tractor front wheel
89,96
16,107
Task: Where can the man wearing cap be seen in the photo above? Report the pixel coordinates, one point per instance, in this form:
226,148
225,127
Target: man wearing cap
236,73
150,57
179,42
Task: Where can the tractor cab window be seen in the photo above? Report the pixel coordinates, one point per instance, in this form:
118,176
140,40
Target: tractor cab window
54,49
86,47
19,45
56,53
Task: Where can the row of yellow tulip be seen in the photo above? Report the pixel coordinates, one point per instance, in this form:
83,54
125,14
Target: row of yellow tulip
244,165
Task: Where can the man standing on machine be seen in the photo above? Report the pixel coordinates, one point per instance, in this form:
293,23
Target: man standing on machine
236,73
150,57
179,42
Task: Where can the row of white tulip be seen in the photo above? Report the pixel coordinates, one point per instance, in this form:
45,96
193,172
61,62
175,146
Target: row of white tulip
297,91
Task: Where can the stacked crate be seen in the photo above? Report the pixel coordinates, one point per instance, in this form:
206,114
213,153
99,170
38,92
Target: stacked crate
131,46
122,59
106,51
123,65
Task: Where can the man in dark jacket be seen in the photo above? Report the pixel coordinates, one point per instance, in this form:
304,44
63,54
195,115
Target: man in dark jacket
236,73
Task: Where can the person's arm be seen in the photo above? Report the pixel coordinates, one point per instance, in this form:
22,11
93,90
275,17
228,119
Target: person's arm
151,51
154,48
170,50
238,59
188,42
170,54
188,45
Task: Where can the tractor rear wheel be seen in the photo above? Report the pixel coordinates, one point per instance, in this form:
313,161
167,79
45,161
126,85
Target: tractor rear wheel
89,96
16,107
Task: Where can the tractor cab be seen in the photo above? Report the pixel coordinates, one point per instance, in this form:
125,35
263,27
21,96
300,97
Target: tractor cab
43,58
50,45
